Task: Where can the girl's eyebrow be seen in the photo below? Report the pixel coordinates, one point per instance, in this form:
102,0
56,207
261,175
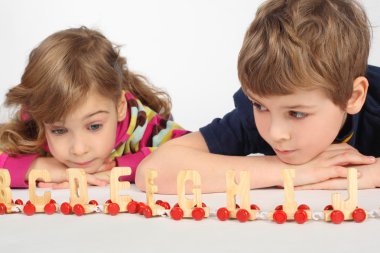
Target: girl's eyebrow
94,113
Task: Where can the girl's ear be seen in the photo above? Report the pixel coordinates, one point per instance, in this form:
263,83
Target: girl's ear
359,94
122,107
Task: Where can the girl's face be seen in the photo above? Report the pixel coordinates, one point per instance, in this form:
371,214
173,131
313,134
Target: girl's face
86,138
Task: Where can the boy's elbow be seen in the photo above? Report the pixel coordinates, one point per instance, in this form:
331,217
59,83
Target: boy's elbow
140,175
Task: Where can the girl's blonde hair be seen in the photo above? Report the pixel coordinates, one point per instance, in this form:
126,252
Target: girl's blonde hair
305,44
60,73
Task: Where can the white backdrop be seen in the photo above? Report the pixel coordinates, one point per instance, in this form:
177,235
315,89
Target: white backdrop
189,48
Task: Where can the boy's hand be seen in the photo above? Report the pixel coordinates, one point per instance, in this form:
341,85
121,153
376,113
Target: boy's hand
330,165
369,178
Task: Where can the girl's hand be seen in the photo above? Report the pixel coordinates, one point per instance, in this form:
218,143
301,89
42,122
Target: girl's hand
57,170
97,179
330,165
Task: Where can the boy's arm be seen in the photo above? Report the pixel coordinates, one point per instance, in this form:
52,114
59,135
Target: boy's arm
369,178
191,152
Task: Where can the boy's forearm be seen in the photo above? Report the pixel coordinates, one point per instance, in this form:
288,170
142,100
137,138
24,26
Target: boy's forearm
170,159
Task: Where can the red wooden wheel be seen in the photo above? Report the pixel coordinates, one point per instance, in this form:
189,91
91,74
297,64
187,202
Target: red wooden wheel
140,208
328,208
132,207
279,216
255,207
359,215
148,213
279,207
29,209
198,213
65,208
78,209
176,213
109,201
159,202
242,215
300,216
93,202
337,216
50,208
52,201
3,209
223,214
19,202
113,209
303,207
165,205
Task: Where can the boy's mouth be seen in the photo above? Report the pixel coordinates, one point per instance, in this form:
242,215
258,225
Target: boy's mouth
283,151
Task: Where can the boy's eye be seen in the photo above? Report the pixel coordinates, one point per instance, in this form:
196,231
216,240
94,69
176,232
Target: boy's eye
94,127
58,131
298,115
259,107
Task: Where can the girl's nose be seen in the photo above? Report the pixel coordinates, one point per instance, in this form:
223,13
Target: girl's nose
78,147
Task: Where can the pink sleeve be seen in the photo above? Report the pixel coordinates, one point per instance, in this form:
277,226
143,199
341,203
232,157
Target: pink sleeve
18,167
132,161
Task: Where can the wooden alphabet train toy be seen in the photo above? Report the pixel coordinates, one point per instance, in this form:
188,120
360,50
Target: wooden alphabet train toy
336,212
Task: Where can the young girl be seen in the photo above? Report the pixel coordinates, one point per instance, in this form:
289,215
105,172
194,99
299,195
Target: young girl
78,106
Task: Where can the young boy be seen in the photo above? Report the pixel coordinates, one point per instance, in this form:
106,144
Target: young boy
308,101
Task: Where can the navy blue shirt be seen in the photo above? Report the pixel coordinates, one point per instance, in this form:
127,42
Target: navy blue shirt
236,133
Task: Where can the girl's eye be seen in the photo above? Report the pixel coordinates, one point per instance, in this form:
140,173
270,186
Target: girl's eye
95,127
298,115
259,107
58,131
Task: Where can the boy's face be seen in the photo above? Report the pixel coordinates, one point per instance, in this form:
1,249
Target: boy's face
298,126
86,138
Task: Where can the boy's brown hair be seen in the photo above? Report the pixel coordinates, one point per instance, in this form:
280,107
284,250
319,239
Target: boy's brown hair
305,44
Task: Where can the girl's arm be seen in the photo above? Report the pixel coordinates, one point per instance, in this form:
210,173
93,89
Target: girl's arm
18,167
191,152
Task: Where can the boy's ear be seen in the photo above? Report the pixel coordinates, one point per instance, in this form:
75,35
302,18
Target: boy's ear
359,94
122,107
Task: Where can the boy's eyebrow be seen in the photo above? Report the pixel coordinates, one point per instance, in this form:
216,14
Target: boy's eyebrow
289,107
298,106
94,113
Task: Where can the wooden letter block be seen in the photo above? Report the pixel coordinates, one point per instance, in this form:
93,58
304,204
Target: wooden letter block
242,190
151,189
78,193
118,202
5,192
347,209
289,210
40,202
188,205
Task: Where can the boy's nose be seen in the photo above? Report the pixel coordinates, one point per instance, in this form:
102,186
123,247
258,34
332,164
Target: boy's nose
279,132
